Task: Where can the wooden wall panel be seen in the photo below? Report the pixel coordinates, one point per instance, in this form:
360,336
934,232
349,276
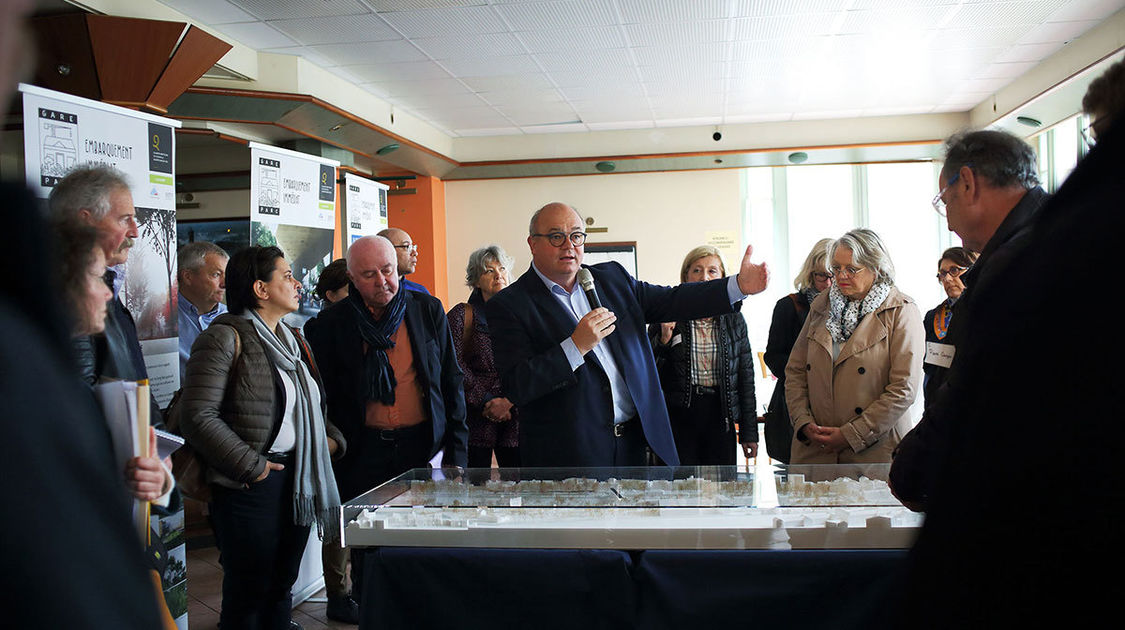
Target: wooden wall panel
197,52
131,54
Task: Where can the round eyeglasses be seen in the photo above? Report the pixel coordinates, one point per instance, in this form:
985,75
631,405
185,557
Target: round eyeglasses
556,239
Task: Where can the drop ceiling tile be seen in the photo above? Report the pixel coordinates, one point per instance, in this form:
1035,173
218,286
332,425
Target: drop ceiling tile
1004,70
676,55
675,11
529,81
210,12
382,6
431,87
1051,32
465,46
700,32
370,52
753,51
1029,52
685,72
575,78
689,88
568,39
257,35
894,21
441,23
779,27
548,115
490,66
756,8
382,72
285,9
604,91
595,61
573,127
444,101
1079,10
530,16
620,124
337,29
983,37
512,98
1002,13
488,131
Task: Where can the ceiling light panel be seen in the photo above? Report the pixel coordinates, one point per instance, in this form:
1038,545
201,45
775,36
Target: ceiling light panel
567,39
461,46
366,27
464,21
286,9
530,16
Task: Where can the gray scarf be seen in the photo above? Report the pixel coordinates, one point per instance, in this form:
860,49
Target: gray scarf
844,314
315,497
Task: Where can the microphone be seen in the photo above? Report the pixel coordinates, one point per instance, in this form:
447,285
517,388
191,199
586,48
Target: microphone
587,281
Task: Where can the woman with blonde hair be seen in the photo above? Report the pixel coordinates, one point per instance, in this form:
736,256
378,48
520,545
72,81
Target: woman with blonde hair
707,373
856,367
788,317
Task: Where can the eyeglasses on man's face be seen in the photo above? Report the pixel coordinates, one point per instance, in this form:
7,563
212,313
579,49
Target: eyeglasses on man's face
556,239
939,202
850,271
410,247
952,271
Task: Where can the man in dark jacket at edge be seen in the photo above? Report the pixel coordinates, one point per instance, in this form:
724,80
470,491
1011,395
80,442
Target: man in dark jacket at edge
1025,504
56,455
990,191
391,379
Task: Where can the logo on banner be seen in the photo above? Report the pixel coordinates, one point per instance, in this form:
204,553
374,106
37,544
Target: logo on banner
269,187
58,145
159,148
353,188
327,183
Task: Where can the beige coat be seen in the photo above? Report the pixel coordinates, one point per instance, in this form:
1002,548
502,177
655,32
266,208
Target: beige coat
867,391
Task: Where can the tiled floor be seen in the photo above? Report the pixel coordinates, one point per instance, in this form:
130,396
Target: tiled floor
205,582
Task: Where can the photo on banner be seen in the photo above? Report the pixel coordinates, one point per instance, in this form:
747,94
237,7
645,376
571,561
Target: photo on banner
63,131
293,207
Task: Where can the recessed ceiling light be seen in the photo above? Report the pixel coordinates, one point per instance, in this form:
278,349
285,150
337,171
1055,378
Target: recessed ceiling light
390,148
606,167
1029,121
798,157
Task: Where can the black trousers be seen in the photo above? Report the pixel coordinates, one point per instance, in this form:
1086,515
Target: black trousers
703,435
384,455
261,549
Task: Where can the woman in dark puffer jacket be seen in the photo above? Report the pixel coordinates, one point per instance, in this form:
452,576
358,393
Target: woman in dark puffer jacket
707,373
252,407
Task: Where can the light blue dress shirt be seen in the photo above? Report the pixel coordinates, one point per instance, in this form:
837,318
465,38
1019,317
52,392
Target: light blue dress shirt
192,322
574,302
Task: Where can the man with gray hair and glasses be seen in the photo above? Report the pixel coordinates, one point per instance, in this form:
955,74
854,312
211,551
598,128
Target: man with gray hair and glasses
201,272
990,194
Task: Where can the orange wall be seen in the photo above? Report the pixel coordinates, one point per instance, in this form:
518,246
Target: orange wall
423,216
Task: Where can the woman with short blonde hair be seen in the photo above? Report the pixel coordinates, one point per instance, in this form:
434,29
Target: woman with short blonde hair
856,367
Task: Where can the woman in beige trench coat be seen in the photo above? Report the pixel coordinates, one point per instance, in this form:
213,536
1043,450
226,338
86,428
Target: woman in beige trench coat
856,367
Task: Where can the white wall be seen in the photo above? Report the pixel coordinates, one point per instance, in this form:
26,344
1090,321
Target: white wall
667,214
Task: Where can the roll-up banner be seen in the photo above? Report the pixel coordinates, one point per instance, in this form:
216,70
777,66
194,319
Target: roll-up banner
293,206
365,207
63,131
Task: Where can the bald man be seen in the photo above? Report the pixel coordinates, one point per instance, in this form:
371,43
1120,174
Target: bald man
407,251
585,378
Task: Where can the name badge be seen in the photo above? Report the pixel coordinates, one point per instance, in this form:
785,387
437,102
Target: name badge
676,339
939,354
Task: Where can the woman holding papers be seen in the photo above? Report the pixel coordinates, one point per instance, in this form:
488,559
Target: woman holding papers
253,408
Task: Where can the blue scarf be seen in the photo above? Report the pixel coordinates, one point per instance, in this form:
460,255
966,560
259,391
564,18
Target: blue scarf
380,377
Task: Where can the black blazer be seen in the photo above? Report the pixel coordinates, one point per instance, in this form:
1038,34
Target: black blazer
338,348
566,416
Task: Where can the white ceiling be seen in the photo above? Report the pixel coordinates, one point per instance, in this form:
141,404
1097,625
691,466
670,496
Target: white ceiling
497,67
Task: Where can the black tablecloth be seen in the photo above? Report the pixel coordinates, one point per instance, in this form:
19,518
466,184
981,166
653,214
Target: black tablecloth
457,589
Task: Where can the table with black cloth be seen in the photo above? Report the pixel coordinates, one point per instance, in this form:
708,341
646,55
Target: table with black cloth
425,587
